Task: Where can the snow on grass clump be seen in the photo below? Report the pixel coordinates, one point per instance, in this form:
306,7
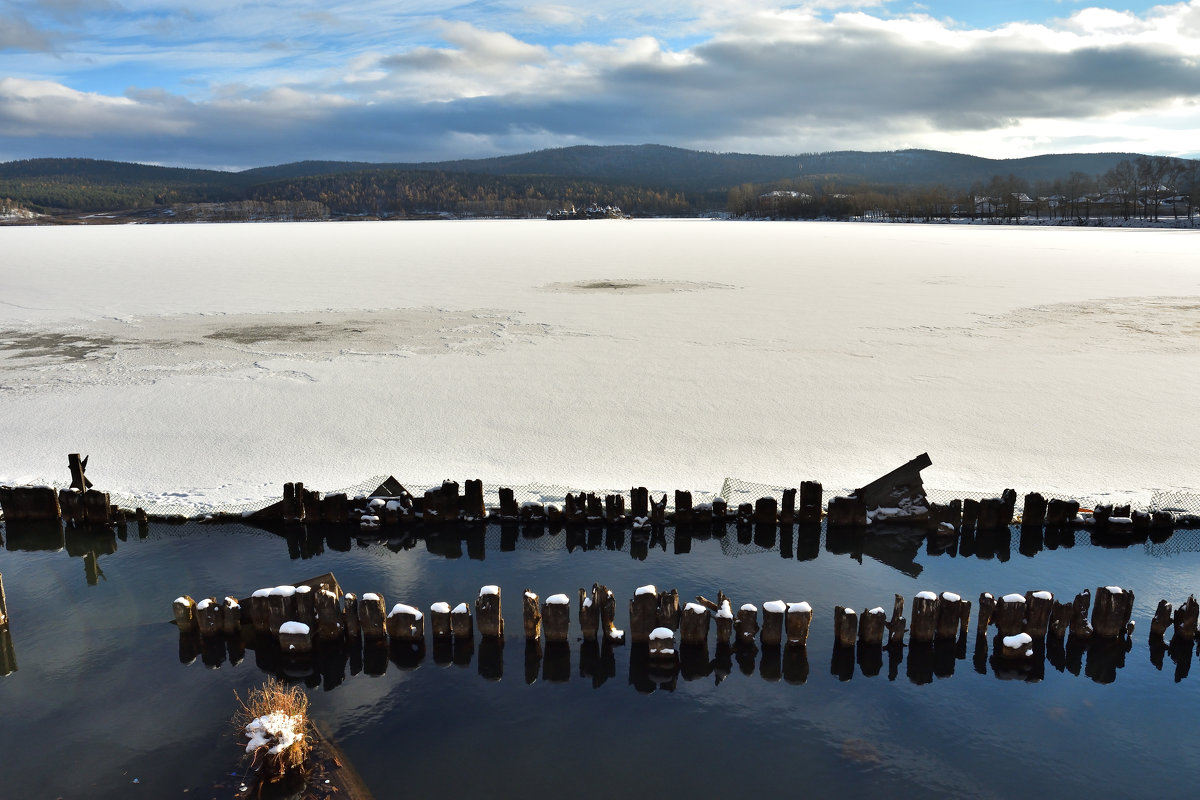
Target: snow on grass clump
274,721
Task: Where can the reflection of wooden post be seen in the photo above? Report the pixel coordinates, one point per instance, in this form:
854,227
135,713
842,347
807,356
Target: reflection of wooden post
1185,618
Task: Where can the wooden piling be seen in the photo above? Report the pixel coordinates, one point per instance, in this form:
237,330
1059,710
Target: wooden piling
954,615
1061,616
810,503
658,511
208,617
1060,513
924,618
330,621
797,622
1034,513
371,616
693,625
29,503
766,511
745,627
787,507
1111,611
607,602
405,624
350,616
461,625
3,603
871,627
845,626
281,607
1163,618
847,512
668,609
531,616
488,614
1185,619
473,508
508,505
724,616
1038,607
589,613
306,606
897,623
1010,614
184,609
231,616
771,634
1079,626
643,613
683,507
556,618
295,638
661,642
639,502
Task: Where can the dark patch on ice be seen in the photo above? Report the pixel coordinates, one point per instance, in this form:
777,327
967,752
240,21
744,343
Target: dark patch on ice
632,286
253,334
57,346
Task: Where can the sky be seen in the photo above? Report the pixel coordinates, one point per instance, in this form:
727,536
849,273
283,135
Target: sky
228,84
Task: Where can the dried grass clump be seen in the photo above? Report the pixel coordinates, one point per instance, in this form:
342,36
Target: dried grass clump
274,720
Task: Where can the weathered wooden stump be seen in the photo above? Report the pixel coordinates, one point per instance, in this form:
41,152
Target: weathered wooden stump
772,625
897,624
683,507
184,609
350,616
208,617
1061,617
1034,513
589,612
847,512
658,512
845,626
231,615
405,624
29,503
473,508
668,609
639,502
371,616
745,627
1016,647
970,514
1111,611
720,509
1039,606
1061,513
787,507
924,618
693,625
556,618
643,613
810,503
608,612
766,511
1163,617
295,638
306,605
257,607
1185,619
462,627
1079,626
724,616
797,622
531,616
281,607
1010,614
487,612
508,504
954,616
871,627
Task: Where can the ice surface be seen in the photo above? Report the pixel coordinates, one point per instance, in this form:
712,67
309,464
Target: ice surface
209,341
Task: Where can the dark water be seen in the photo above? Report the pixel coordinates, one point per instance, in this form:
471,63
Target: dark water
101,704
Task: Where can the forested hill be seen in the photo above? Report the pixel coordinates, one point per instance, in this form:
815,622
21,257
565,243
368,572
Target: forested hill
643,179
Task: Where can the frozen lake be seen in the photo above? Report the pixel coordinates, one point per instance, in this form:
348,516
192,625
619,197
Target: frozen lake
211,363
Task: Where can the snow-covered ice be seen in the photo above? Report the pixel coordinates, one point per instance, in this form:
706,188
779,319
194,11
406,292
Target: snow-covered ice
203,365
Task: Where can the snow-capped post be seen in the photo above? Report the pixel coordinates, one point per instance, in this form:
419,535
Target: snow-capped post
668,609
643,613
335,508
1060,513
281,606
1079,626
797,621
556,618
746,624
29,502
871,627
1061,615
658,511
405,624
693,625
1017,646
450,501
257,612
330,623
473,508
1010,614
589,612
787,507
720,509
845,626
1038,607
683,507
662,643
208,617
306,605
987,611
1162,619
508,504
1185,618
614,509
897,624
811,494
371,619
531,616
350,615
766,511
231,616
1112,611
439,620
724,615
461,625
608,613
924,617
487,612
1034,513
772,624
954,616
295,638
184,609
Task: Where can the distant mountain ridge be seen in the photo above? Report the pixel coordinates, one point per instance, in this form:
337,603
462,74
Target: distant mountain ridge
659,172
